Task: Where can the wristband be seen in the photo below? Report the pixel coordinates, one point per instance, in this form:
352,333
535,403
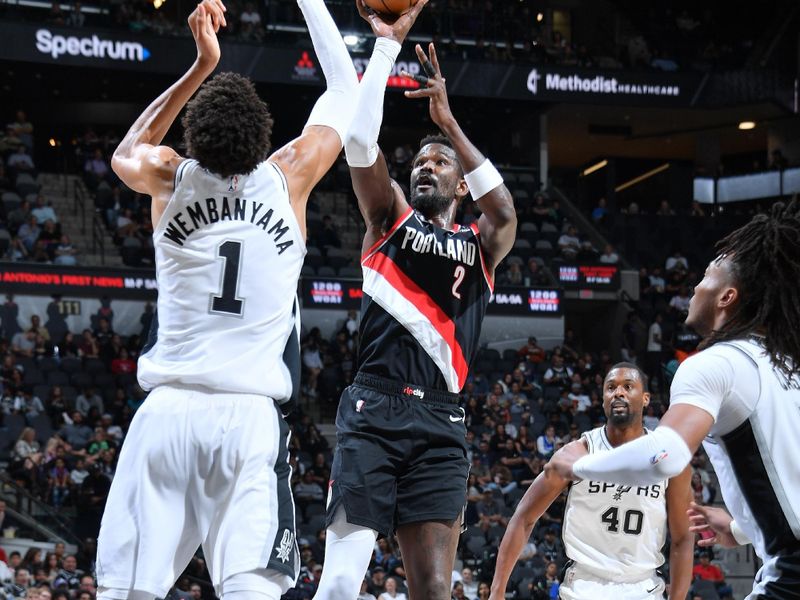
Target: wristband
483,180
739,535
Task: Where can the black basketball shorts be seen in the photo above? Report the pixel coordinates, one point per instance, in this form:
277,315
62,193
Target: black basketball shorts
400,457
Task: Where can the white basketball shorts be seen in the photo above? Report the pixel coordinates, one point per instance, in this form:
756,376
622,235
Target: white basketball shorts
199,468
579,584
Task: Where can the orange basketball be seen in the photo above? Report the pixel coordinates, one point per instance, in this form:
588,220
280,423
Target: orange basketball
390,7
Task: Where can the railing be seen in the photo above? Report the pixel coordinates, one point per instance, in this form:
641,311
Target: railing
80,197
36,515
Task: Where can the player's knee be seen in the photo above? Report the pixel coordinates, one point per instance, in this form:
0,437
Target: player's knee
335,586
436,586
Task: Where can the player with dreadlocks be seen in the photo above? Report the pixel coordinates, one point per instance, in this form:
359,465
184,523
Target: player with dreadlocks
743,391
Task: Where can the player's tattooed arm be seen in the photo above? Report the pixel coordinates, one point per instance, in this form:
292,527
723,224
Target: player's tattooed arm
498,223
537,499
139,161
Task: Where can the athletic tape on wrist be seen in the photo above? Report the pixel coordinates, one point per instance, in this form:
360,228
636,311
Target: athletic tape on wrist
483,180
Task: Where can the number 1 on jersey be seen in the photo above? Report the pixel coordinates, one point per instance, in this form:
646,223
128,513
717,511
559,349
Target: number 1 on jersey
228,303
459,275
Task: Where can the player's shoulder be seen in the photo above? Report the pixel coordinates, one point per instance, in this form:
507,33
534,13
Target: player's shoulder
722,355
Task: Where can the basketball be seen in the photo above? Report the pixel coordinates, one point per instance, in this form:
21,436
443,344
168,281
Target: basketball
390,7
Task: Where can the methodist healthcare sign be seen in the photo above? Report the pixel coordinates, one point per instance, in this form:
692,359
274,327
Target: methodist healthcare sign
563,85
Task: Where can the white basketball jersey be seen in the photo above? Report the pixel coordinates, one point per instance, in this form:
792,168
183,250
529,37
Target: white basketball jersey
615,532
228,258
754,447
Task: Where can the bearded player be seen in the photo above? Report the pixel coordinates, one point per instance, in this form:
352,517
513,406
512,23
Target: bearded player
401,461
613,534
742,389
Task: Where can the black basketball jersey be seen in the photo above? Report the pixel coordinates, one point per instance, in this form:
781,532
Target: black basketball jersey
426,290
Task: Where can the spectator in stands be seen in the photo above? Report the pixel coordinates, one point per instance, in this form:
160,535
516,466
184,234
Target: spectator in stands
28,404
457,592
676,262
75,432
250,20
307,491
680,303
546,443
88,345
650,418
18,216
48,239
377,581
21,162
364,592
703,569
312,361
657,283
23,129
76,18
87,399
469,583
609,255
56,16
29,232
545,586
551,547
79,473
69,573
558,375
123,363
511,276
26,459
665,210
569,244
600,211
22,581
65,252
43,211
655,351
58,481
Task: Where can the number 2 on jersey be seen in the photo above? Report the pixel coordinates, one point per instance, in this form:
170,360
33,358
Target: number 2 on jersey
459,275
228,302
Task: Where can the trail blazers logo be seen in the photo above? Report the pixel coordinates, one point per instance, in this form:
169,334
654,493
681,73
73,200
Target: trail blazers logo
284,549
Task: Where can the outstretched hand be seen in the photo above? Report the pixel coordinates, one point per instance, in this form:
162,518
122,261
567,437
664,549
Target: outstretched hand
433,86
396,31
205,22
711,520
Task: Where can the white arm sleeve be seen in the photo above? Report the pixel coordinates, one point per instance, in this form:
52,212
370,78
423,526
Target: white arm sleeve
336,107
361,146
652,458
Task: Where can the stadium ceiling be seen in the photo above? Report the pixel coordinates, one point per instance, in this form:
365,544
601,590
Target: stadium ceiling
579,133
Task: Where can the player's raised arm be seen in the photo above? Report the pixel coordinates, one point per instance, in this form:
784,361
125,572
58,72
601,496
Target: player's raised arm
306,159
379,198
537,499
139,161
681,550
498,223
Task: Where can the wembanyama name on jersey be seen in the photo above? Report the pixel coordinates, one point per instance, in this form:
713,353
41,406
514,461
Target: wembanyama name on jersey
228,258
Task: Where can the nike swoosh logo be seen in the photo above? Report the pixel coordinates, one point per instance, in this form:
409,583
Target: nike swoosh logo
653,590
456,419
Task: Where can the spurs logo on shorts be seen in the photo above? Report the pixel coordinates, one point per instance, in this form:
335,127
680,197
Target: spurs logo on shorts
283,549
